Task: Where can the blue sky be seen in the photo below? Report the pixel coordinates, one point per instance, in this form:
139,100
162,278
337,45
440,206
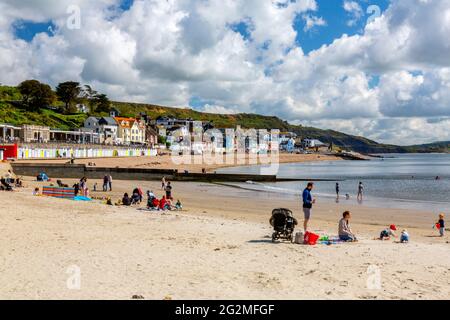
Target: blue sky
336,18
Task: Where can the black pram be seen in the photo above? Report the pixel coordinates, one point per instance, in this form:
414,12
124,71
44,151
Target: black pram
283,223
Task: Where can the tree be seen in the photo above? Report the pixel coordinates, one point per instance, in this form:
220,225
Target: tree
68,92
102,103
89,96
36,95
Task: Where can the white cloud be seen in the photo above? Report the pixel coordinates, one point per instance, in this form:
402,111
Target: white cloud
354,10
168,51
312,21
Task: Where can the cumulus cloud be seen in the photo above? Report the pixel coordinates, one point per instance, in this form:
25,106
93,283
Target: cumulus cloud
243,56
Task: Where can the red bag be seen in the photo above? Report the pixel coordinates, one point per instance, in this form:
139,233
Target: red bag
311,238
438,226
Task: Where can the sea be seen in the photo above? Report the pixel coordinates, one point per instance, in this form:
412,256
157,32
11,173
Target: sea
404,181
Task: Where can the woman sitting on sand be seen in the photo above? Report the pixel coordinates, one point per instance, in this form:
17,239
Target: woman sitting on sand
137,195
126,200
151,200
345,232
136,198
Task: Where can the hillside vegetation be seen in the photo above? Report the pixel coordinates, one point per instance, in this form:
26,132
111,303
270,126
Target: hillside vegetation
12,112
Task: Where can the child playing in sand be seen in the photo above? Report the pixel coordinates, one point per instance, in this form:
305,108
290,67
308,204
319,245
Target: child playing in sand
387,233
441,225
404,237
178,205
36,192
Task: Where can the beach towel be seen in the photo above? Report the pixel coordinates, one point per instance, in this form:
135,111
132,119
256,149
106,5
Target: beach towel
82,198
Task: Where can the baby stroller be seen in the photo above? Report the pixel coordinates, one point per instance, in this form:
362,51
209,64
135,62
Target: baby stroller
283,224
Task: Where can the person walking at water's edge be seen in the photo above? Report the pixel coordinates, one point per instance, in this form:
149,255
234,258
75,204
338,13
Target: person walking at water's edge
360,191
308,202
337,190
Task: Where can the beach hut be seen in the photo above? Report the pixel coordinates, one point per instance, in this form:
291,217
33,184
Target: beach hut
10,151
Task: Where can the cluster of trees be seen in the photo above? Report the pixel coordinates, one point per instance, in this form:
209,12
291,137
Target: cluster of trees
37,95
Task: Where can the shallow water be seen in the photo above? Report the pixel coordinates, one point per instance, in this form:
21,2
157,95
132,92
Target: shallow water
399,180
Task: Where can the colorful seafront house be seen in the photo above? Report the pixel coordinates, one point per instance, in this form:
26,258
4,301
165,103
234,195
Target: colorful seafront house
130,130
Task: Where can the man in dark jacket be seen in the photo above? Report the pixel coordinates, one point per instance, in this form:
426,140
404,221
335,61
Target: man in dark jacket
308,202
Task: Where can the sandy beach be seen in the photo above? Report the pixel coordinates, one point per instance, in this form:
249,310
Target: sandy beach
196,163
218,247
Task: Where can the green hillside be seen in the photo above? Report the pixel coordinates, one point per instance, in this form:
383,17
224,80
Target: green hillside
18,116
339,139
12,112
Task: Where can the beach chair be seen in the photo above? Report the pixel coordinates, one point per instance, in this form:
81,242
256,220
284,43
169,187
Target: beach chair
5,185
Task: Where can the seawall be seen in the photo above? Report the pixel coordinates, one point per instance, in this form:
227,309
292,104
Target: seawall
76,171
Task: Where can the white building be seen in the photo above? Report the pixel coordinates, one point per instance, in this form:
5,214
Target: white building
107,128
312,143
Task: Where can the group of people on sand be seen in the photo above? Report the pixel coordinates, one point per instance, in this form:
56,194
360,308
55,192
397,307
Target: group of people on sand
345,232
153,203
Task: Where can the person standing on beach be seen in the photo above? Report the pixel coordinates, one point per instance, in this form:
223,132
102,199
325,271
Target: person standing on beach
308,201
110,180
441,223
163,183
337,189
168,190
360,191
105,183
